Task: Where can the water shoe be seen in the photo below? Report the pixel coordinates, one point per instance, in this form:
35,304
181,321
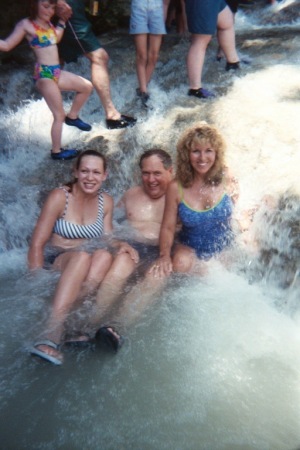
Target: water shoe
144,96
64,154
232,66
78,123
201,93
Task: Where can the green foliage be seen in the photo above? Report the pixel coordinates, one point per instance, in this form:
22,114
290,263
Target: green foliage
112,14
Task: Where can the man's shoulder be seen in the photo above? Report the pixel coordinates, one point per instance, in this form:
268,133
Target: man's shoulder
134,192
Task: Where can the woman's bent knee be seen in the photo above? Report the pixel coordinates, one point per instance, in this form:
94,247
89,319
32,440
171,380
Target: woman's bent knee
183,262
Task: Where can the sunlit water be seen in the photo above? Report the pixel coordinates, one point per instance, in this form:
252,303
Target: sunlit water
215,363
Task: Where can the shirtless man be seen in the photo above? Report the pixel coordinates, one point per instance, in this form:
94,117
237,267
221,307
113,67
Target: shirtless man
144,208
144,204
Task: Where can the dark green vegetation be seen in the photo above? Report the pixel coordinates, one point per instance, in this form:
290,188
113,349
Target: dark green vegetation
112,14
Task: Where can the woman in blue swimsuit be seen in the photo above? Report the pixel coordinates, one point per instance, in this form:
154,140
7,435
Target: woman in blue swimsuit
71,215
202,197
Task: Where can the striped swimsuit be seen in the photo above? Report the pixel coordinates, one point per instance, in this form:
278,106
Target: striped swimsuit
70,230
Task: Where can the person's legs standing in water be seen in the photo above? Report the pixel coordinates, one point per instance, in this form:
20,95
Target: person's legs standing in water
203,18
147,25
79,40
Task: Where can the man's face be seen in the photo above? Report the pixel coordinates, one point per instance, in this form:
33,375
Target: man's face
155,177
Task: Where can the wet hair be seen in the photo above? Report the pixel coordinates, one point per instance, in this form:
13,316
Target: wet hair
200,133
161,154
78,163
33,7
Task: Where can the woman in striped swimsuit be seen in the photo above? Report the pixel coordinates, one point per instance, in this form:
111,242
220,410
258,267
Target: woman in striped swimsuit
71,215
202,197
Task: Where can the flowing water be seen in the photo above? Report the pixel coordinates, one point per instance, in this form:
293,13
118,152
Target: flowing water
215,363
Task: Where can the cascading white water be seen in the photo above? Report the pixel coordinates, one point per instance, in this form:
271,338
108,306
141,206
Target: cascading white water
214,363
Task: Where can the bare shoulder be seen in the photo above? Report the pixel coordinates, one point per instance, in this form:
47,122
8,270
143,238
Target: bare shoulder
26,25
58,193
134,194
108,200
173,188
135,191
172,195
57,197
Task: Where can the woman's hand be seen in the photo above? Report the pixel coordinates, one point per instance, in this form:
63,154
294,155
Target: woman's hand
162,267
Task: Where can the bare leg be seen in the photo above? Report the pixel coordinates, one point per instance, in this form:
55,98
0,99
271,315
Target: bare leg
195,59
112,286
226,35
83,88
101,261
141,296
74,267
141,45
100,79
154,43
147,52
51,93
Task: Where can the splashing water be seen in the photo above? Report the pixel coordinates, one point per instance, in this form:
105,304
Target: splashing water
214,364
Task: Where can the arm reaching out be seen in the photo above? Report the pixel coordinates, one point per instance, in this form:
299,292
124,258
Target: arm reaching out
15,37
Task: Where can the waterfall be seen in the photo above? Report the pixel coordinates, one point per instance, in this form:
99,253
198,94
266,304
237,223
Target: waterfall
215,362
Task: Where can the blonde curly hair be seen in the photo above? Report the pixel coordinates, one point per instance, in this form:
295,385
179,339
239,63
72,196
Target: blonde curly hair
199,133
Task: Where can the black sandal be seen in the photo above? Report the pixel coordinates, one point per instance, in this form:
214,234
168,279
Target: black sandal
123,122
109,336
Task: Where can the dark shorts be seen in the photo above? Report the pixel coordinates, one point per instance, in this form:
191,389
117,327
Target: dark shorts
233,5
78,38
146,252
50,255
202,15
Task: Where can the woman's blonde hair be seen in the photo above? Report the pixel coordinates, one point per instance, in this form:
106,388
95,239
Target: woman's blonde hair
201,132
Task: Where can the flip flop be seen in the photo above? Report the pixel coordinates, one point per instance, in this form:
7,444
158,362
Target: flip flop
110,337
34,351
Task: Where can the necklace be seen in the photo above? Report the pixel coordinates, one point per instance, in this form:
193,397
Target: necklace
44,26
206,193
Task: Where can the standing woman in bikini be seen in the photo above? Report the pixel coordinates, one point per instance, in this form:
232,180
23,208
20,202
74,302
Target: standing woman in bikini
72,215
202,197
50,80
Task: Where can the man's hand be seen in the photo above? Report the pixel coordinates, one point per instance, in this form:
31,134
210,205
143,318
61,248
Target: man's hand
162,267
63,10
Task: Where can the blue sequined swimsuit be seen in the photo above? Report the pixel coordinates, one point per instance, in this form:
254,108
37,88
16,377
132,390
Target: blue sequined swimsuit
208,231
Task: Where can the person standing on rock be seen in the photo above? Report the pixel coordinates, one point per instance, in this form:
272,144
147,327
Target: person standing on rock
79,40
